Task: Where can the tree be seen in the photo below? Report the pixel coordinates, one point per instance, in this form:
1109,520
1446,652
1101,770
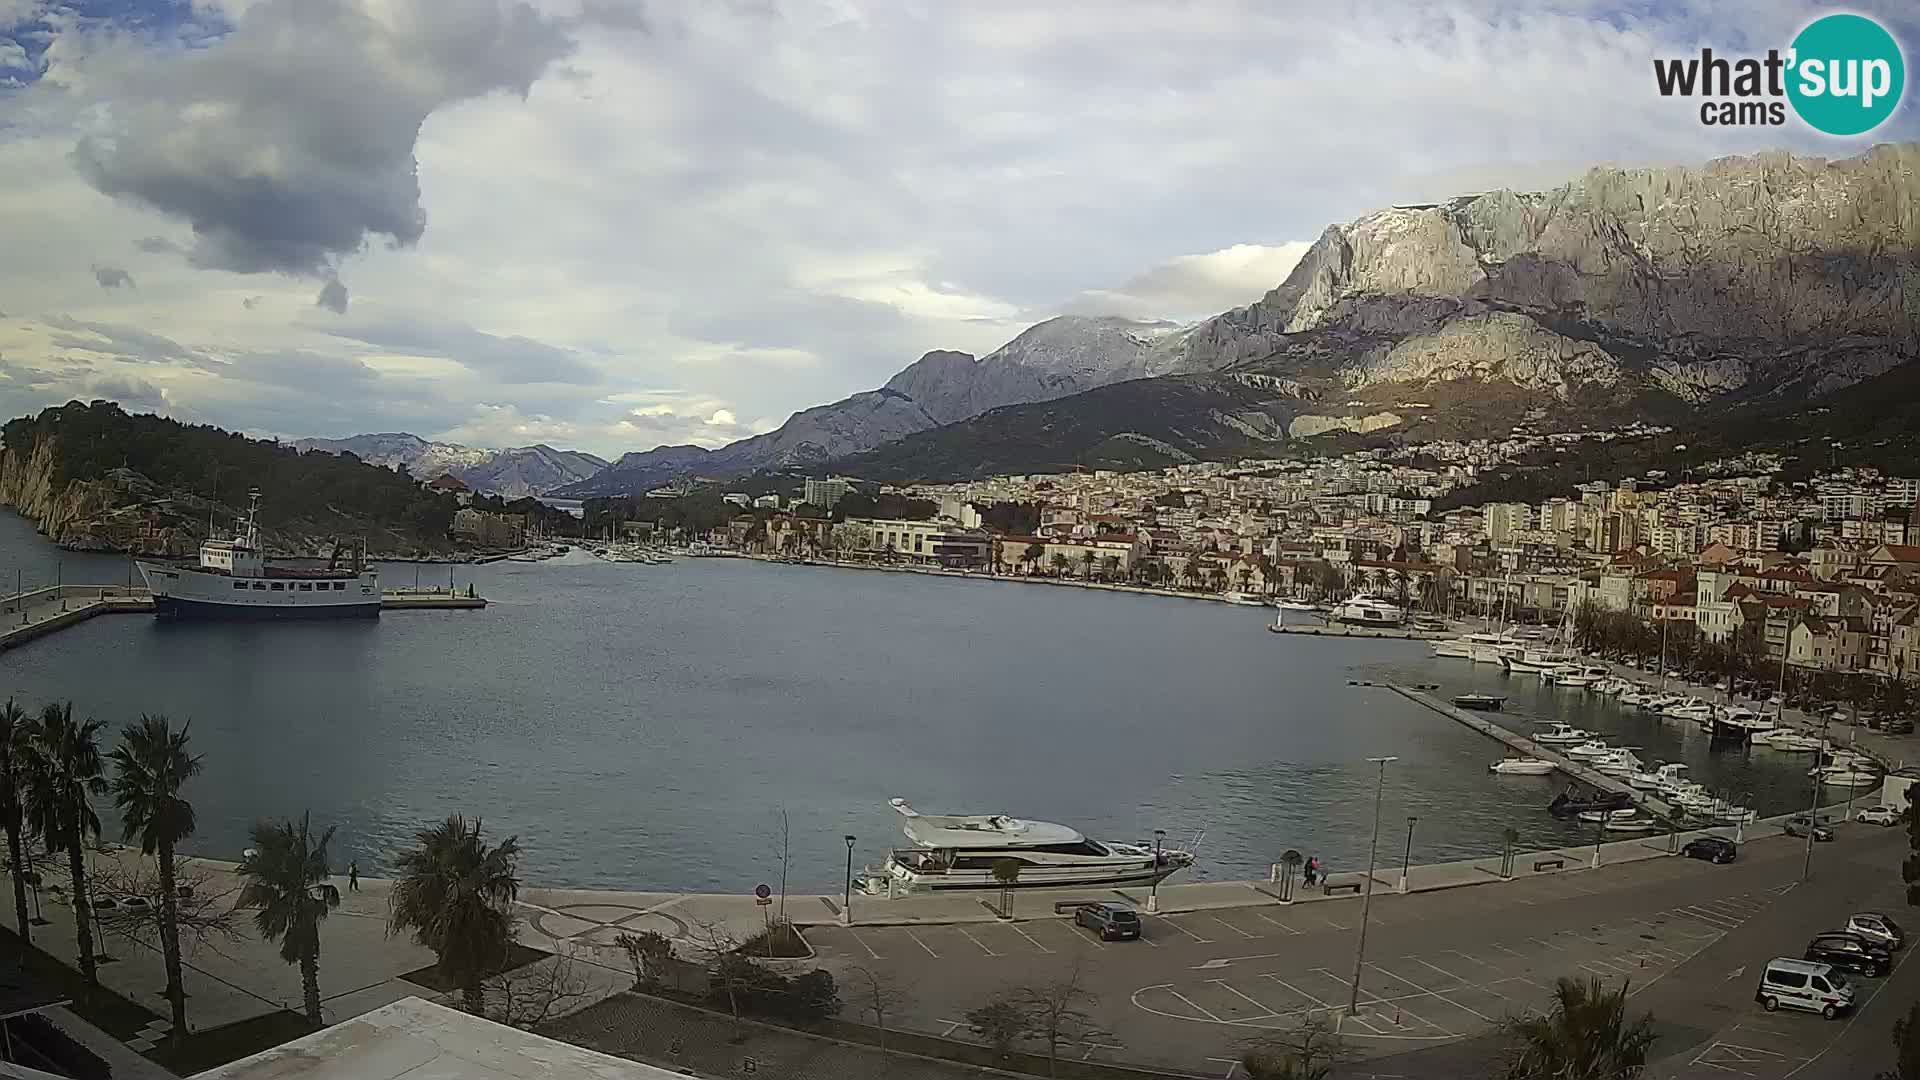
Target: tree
1059,561
651,954
289,884
1111,564
1007,873
1000,1024
63,772
456,894
880,996
1087,559
1033,555
1308,1052
15,728
1906,1047
1054,1013
1585,1035
150,766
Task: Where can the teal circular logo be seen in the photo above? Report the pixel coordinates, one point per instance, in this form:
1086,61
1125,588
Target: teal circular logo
1847,74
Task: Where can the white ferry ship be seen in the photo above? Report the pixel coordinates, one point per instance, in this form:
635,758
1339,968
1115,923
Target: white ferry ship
234,581
960,852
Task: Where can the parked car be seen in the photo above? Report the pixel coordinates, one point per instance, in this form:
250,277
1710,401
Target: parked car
1879,815
1113,922
1850,952
1801,825
1714,849
1901,726
1803,984
1877,927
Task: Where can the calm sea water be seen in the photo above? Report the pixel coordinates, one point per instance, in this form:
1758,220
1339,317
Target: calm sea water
645,726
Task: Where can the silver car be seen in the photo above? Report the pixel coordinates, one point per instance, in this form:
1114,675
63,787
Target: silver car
1877,928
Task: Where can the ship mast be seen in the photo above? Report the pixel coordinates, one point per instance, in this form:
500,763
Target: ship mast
253,511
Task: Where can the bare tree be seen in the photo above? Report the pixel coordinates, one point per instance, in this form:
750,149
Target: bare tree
1054,1013
999,1023
536,993
1308,1052
204,903
651,954
880,995
728,972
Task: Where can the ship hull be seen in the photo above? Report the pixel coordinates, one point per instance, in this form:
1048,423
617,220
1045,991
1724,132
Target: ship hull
174,607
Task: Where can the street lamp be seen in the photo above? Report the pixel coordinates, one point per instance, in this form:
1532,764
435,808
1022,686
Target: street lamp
1407,861
846,898
1813,810
1153,892
1366,901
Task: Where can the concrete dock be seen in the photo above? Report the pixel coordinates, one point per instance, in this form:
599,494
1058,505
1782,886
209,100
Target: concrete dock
1342,630
39,612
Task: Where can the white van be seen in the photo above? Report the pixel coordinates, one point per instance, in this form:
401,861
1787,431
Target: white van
1803,984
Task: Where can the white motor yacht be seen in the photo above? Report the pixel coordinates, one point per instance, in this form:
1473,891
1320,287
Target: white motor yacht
1592,748
1521,767
1671,778
1643,781
1849,778
1791,742
1456,648
1622,763
961,852
1246,599
1562,734
1363,610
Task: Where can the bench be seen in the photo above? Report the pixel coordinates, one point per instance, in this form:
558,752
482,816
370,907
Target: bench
1329,888
1548,864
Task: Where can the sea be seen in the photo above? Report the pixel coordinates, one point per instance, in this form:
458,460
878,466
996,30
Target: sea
708,724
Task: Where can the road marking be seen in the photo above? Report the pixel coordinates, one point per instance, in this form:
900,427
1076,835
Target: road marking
1223,961
1335,925
1439,969
1029,937
1430,992
1504,949
1191,1005
863,942
922,944
1548,944
1232,927
976,941
1297,990
1233,1066
1398,1009
1713,919
1276,922
952,1026
1184,930
1222,984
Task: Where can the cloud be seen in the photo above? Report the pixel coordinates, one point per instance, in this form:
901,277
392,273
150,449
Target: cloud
160,245
250,302
289,143
1195,286
124,342
112,277
509,359
333,297
132,394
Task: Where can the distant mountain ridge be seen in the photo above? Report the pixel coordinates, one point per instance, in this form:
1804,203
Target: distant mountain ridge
1051,359
511,473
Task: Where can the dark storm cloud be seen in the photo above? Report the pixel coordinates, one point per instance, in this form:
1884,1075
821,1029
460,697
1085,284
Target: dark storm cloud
159,245
333,297
112,277
290,142
509,359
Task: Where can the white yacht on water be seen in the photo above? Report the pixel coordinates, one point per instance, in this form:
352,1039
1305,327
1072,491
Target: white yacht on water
1364,610
235,581
960,852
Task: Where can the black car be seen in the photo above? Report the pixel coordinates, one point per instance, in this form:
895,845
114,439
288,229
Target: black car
1799,825
1850,952
1899,727
1711,848
1113,922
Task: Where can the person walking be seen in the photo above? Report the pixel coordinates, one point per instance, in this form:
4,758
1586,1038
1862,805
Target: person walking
353,876
1313,869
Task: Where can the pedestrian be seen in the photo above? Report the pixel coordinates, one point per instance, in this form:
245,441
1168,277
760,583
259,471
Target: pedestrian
353,876
1313,866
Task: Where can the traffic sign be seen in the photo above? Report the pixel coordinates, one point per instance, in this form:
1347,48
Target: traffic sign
763,901
762,891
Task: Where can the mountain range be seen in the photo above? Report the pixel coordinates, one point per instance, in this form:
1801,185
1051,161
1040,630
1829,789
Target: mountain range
1700,296
510,473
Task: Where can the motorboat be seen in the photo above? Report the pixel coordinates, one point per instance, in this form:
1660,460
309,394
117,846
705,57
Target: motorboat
1536,661
1456,648
1671,779
1626,819
1737,723
1643,781
1553,673
1363,610
1620,764
1791,742
1848,778
1479,702
1562,734
1564,805
1480,648
1521,767
962,852
1592,748
1695,711
1301,606
1578,680
1246,599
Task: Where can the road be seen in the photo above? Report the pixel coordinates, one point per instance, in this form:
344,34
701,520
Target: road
1442,968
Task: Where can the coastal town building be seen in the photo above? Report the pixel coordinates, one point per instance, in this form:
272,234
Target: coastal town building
489,529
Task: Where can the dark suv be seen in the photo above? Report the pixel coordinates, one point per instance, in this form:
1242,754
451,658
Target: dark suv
1850,952
1111,921
1711,848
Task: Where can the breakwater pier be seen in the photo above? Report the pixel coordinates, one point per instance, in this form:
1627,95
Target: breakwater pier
36,613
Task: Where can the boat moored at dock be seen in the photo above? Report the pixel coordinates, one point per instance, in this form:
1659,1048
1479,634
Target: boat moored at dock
963,852
234,580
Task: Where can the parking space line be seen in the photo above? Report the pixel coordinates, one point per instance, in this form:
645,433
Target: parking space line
1029,937
1270,1014
1717,921
1335,925
1475,959
863,942
1604,974
1398,1008
976,941
1297,990
1548,944
1232,927
922,944
1192,1005
1439,969
1184,930
1441,994
1276,922
1504,949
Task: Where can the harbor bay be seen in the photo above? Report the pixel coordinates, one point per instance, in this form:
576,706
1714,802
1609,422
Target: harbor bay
646,726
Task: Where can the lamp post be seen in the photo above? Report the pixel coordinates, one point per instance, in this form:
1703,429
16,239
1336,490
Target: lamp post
1813,809
846,898
1406,861
1599,834
1153,892
1366,901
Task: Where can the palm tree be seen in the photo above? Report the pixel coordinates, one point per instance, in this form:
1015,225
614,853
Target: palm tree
1087,559
15,726
149,768
1584,1036
1033,554
456,894
1059,563
288,881
63,771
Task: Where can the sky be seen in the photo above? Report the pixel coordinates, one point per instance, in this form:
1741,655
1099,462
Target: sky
615,224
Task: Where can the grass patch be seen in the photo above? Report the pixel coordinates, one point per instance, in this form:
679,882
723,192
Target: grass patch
216,1046
430,977
104,1009
779,941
